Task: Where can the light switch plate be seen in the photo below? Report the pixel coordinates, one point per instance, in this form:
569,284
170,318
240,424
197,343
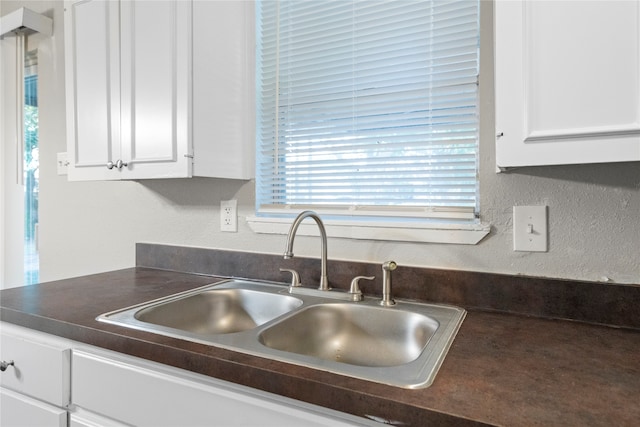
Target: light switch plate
530,233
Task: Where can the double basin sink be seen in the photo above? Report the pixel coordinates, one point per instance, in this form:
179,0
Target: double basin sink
402,345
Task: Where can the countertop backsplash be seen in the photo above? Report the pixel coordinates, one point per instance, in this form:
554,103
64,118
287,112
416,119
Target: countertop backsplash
591,302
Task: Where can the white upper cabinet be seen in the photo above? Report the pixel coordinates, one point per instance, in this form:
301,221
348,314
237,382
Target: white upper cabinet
93,88
224,88
567,82
130,92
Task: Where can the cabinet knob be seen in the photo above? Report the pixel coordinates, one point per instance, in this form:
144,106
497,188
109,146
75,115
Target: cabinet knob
4,365
118,164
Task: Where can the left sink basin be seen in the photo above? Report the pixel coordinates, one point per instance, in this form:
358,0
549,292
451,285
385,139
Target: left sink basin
212,310
221,311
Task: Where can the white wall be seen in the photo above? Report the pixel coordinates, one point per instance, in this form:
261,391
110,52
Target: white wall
594,210
3,167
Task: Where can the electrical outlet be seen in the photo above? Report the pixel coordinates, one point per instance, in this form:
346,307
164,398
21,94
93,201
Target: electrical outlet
229,215
63,163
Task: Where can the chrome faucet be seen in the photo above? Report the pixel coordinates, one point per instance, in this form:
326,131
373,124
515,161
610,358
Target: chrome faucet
387,268
288,252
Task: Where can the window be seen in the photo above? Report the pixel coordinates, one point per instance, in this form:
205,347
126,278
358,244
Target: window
367,110
31,169
19,174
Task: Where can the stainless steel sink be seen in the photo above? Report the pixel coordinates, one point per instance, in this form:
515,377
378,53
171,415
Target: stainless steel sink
402,345
354,334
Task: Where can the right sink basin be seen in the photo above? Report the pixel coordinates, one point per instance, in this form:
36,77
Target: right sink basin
353,334
402,345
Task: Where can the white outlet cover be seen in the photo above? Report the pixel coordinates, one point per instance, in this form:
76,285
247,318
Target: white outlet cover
530,233
229,215
62,163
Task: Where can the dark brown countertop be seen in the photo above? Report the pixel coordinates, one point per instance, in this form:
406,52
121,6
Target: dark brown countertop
502,369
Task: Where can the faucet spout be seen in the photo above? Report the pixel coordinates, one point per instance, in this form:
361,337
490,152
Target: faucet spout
288,252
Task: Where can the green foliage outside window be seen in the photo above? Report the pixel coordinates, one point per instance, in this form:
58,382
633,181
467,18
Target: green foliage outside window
31,160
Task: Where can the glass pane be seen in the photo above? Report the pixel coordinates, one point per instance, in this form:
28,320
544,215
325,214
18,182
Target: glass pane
31,169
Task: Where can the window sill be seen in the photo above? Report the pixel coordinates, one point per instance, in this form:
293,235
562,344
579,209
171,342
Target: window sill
425,232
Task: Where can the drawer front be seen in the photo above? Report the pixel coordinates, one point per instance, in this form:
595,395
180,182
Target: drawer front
41,369
144,394
19,410
82,418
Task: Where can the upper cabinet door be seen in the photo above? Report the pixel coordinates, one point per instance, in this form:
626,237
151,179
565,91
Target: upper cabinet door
92,54
224,89
155,88
567,82
128,89
143,96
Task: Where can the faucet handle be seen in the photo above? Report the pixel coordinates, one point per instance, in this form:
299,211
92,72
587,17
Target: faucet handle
354,289
295,277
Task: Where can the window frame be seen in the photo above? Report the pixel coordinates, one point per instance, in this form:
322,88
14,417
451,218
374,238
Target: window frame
416,224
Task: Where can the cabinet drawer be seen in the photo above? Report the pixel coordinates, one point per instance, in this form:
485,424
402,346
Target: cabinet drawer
19,410
82,418
142,393
41,367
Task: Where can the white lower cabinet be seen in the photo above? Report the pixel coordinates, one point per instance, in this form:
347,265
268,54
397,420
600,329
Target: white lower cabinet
129,391
58,382
81,418
34,390
19,410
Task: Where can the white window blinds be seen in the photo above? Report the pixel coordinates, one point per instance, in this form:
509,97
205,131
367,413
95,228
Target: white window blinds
368,107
